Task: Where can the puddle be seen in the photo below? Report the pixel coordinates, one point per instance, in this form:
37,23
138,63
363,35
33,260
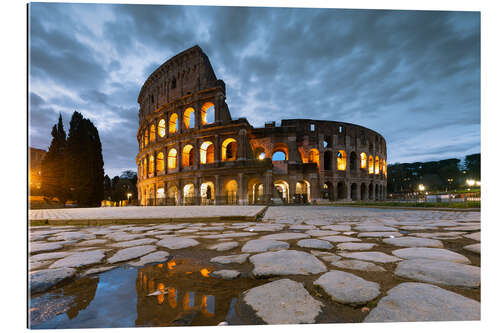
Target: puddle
183,291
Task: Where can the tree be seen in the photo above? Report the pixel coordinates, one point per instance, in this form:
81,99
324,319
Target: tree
53,184
84,166
473,166
107,187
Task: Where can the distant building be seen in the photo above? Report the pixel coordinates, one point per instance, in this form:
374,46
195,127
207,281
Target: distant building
35,168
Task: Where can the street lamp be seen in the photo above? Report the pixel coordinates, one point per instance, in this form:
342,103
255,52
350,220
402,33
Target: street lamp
470,182
421,187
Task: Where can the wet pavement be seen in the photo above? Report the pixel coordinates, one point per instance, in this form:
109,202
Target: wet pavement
163,274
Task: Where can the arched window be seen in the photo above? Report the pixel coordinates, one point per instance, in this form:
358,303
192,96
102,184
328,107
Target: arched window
207,152
188,156
370,164
151,165
279,156
160,162
327,160
229,149
172,158
207,113
189,118
377,165
152,133
314,156
362,159
260,154
341,160
146,138
161,128
173,124
352,161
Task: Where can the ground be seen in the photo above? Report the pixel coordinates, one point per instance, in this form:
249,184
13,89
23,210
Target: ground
293,264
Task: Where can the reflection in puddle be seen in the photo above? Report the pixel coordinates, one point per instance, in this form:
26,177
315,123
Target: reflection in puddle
175,293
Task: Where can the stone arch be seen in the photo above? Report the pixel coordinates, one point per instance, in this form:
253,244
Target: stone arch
281,190
152,133
341,160
146,137
188,118
207,193
280,147
328,191
188,192
341,190
173,195
160,162
172,159
354,191
207,113
377,165
207,152
370,164
327,160
314,156
353,161
370,191
173,123
303,191
229,149
377,189
230,192
363,161
161,128
151,167
255,191
363,192
188,155
260,153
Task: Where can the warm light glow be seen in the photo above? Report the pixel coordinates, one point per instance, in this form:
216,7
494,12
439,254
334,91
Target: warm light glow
421,187
229,149
160,192
172,297
160,162
189,191
314,156
470,182
362,161
152,133
205,272
188,156
146,138
161,128
171,264
341,160
173,123
370,164
207,113
189,118
377,165
207,153
172,158
262,156
161,297
151,165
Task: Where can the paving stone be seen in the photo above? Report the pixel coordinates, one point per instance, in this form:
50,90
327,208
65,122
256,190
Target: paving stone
317,222
98,270
379,234
225,246
49,256
285,262
321,233
357,265
409,241
336,227
213,228
230,235
264,245
283,302
370,256
175,243
36,265
92,242
73,235
355,246
465,228
476,248
430,253
80,259
123,236
314,244
286,236
47,278
154,257
416,228
226,274
45,247
475,236
131,253
301,227
441,272
340,239
371,228
135,242
347,288
440,235
232,259
412,301
265,227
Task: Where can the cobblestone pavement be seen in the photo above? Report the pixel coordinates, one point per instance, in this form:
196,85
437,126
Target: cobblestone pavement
379,265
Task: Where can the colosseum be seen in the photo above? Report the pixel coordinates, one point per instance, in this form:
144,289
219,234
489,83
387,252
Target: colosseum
191,151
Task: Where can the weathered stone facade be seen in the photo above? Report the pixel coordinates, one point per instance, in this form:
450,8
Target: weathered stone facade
192,152
35,172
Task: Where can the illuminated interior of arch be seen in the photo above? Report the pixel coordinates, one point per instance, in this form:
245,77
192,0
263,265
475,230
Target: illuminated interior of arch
172,158
283,189
260,154
370,164
314,156
207,152
207,192
152,133
303,188
341,160
362,161
229,149
173,193
231,190
377,165
279,155
189,191
161,128
173,125
189,118
160,162
151,165
188,156
207,113
146,138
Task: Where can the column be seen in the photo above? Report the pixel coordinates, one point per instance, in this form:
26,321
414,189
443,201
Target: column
217,191
242,193
197,190
218,148
268,186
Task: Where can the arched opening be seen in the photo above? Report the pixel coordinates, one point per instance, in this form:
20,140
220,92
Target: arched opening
328,191
141,142
151,166
385,168
255,191
229,149
260,153
314,156
161,128
341,191
207,113
327,160
302,191
377,165
151,197
160,196
280,152
207,152
188,194
152,133
188,156
377,189
172,159
352,161
370,164
354,191
230,192
370,191
281,191
173,195
363,192
146,138
144,168
341,160
207,193
173,125
160,162
279,156
189,118
362,161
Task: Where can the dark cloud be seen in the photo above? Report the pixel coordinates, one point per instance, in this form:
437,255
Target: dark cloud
413,76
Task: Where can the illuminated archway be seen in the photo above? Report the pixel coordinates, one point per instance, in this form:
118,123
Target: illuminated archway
188,194
341,160
189,118
173,125
207,113
230,192
370,164
282,190
260,153
161,128
314,156
172,159
151,165
255,191
280,152
229,149
152,133
207,153
362,161
146,138
188,156
377,165
207,193
173,195
303,191
160,162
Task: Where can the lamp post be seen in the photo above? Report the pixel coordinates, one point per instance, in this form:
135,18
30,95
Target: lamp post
129,195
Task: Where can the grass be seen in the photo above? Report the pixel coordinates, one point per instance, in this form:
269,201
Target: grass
467,204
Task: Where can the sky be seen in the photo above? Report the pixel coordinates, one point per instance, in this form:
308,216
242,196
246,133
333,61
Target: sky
412,76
